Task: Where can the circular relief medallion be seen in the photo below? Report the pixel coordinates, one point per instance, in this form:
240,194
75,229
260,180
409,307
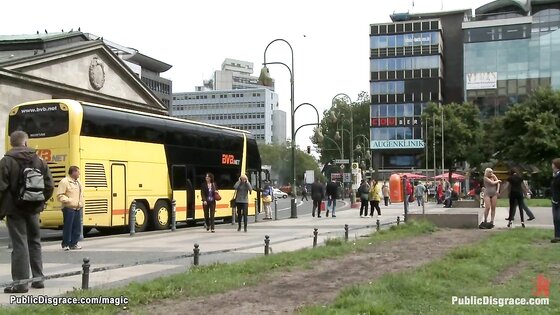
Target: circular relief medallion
96,73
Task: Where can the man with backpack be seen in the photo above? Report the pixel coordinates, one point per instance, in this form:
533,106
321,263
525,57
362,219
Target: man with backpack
25,185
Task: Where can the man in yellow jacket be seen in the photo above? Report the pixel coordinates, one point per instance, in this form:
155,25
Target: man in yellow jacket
70,193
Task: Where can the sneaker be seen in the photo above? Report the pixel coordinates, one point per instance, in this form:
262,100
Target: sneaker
75,247
361,216
65,248
531,219
554,240
334,216
38,285
16,289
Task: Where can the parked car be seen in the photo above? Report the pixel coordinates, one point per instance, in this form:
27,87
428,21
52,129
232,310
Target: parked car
279,194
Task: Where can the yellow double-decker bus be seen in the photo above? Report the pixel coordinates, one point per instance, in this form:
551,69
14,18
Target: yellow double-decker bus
126,155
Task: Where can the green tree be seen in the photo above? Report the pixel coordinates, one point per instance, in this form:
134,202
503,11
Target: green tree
529,132
462,134
279,157
337,119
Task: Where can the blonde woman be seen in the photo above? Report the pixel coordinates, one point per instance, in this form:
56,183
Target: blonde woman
491,189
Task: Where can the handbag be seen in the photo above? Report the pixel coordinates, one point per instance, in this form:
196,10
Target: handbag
267,198
217,196
232,201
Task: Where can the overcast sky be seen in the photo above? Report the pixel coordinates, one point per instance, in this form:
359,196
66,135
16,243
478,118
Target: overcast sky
330,38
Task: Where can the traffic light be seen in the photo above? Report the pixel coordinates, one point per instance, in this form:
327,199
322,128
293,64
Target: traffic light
308,149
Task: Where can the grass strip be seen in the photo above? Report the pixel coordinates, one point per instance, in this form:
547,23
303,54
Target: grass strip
504,266
218,278
504,202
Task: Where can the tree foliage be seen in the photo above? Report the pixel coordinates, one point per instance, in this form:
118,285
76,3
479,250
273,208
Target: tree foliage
279,157
529,132
462,134
337,118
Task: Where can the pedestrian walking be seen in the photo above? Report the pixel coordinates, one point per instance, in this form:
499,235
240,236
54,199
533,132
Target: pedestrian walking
332,190
71,195
208,193
363,192
304,192
21,204
419,192
386,197
515,182
555,191
267,200
317,195
374,197
527,195
491,189
242,191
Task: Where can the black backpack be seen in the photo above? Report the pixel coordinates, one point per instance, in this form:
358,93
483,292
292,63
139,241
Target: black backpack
30,189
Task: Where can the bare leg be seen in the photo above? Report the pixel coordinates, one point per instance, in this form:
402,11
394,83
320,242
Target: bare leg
486,208
493,203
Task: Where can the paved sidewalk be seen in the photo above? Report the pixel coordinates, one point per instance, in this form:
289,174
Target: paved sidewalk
227,244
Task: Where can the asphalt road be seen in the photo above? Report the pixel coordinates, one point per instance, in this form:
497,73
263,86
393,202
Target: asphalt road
282,205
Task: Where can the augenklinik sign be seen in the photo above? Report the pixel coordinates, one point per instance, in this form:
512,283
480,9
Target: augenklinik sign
397,144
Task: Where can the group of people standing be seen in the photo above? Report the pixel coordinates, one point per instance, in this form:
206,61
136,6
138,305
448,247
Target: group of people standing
370,195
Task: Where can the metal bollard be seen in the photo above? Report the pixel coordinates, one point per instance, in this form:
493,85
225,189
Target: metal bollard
256,212
266,244
132,218
275,209
85,274
196,254
398,220
346,232
377,225
173,215
315,233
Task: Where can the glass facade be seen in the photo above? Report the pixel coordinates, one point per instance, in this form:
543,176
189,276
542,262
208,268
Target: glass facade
406,71
524,57
405,63
405,40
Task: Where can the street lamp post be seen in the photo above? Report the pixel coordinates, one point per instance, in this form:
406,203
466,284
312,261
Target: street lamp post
265,80
353,195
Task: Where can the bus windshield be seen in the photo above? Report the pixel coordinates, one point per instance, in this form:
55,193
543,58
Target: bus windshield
40,120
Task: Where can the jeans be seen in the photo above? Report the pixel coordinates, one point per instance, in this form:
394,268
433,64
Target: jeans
332,201
242,209
420,200
556,219
386,199
71,230
209,212
26,241
526,209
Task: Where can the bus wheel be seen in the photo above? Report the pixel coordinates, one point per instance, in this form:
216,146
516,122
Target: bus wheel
141,217
161,216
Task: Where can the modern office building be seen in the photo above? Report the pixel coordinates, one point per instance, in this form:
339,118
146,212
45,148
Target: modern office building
510,48
234,75
254,110
414,60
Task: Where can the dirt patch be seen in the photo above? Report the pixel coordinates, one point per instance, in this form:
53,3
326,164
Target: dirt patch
286,292
509,273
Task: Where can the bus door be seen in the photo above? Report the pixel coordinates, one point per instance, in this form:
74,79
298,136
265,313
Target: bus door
255,180
183,192
119,208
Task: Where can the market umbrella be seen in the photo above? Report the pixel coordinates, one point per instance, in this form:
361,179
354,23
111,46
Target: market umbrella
454,176
412,175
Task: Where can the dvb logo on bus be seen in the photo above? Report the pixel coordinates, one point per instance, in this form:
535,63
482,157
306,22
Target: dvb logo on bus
229,159
46,155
